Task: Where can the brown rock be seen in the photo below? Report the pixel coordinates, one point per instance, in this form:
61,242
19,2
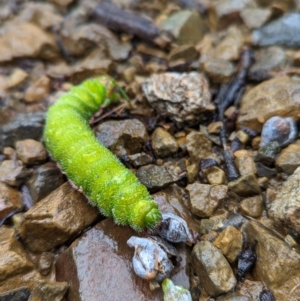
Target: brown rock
244,162
286,205
230,243
13,173
56,218
186,52
124,137
17,77
31,151
16,270
252,206
192,172
212,268
255,17
163,143
277,264
102,253
51,290
215,175
246,185
214,127
289,159
26,40
38,90
10,201
198,146
278,96
204,199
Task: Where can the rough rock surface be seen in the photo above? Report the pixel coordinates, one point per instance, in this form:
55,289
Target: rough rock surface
212,268
277,264
278,96
184,97
204,199
286,206
56,219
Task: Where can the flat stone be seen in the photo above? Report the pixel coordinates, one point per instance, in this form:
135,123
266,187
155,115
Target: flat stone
163,143
215,175
252,206
16,270
255,17
278,96
246,185
56,219
286,205
244,162
187,52
31,152
198,146
187,26
204,199
230,243
212,268
101,253
289,159
277,264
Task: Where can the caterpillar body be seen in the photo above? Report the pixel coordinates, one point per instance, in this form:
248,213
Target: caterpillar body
92,167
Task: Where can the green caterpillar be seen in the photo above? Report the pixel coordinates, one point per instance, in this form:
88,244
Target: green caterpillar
92,167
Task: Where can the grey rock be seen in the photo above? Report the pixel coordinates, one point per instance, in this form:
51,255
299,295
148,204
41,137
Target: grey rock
283,31
267,154
20,294
234,297
44,180
212,268
279,129
141,159
24,126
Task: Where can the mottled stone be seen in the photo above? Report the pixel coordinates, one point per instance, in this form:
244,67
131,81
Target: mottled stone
244,162
212,268
45,263
286,205
214,127
31,152
123,137
215,175
268,153
56,219
187,26
289,159
278,96
277,264
198,146
192,172
163,143
204,199
245,185
252,206
230,243
183,97
141,159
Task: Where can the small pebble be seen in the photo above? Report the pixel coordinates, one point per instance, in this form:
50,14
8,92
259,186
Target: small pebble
279,129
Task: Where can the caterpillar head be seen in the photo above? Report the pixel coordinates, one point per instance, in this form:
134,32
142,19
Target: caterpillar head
113,91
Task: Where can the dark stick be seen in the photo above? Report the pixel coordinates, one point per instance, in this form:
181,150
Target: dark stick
121,20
